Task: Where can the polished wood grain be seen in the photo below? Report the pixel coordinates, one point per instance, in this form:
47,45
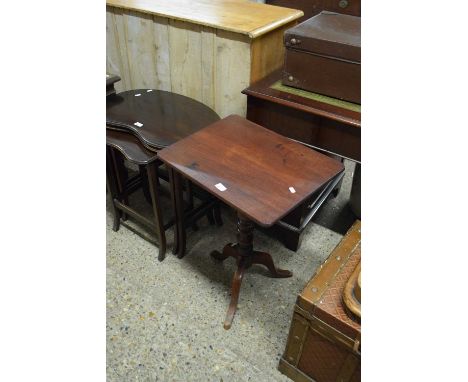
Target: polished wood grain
238,16
165,117
256,165
322,123
328,127
265,90
130,147
261,174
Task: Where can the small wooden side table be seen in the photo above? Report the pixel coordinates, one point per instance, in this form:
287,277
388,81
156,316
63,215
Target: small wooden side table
261,174
138,124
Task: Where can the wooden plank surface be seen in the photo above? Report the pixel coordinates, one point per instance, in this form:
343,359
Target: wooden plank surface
210,65
232,73
185,59
162,57
140,50
268,53
240,16
120,30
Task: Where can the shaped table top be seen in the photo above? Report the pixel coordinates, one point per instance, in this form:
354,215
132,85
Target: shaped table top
157,118
260,173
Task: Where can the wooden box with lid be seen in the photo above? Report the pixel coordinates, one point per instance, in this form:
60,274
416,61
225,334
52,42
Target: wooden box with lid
323,55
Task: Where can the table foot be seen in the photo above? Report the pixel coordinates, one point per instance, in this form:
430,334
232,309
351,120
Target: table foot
235,289
245,256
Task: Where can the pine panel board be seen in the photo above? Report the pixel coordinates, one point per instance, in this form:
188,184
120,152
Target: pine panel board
232,73
120,30
162,57
185,58
113,60
141,52
208,36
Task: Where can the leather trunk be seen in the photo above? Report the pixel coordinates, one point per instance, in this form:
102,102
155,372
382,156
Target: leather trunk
323,55
324,338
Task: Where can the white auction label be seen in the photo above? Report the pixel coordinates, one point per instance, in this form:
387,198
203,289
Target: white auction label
220,187
138,124
292,190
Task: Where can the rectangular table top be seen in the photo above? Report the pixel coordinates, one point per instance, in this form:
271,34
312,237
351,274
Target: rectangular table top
258,172
240,16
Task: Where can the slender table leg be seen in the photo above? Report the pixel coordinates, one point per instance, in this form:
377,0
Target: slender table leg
235,290
144,182
120,176
217,215
178,204
175,248
152,170
245,256
112,189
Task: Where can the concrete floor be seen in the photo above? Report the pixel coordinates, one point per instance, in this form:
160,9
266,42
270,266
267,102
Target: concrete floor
164,319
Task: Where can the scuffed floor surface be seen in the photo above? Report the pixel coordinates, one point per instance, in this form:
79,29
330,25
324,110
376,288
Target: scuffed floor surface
164,319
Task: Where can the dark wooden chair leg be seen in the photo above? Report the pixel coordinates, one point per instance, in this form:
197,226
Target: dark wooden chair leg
144,183
152,170
235,290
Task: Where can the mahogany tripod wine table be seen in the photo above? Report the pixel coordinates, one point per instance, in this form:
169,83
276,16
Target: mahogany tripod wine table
259,173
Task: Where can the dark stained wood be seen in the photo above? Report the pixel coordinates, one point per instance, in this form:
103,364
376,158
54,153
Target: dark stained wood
165,117
256,165
314,7
245,257
119,189
325,126
263,90
130,147
323,55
